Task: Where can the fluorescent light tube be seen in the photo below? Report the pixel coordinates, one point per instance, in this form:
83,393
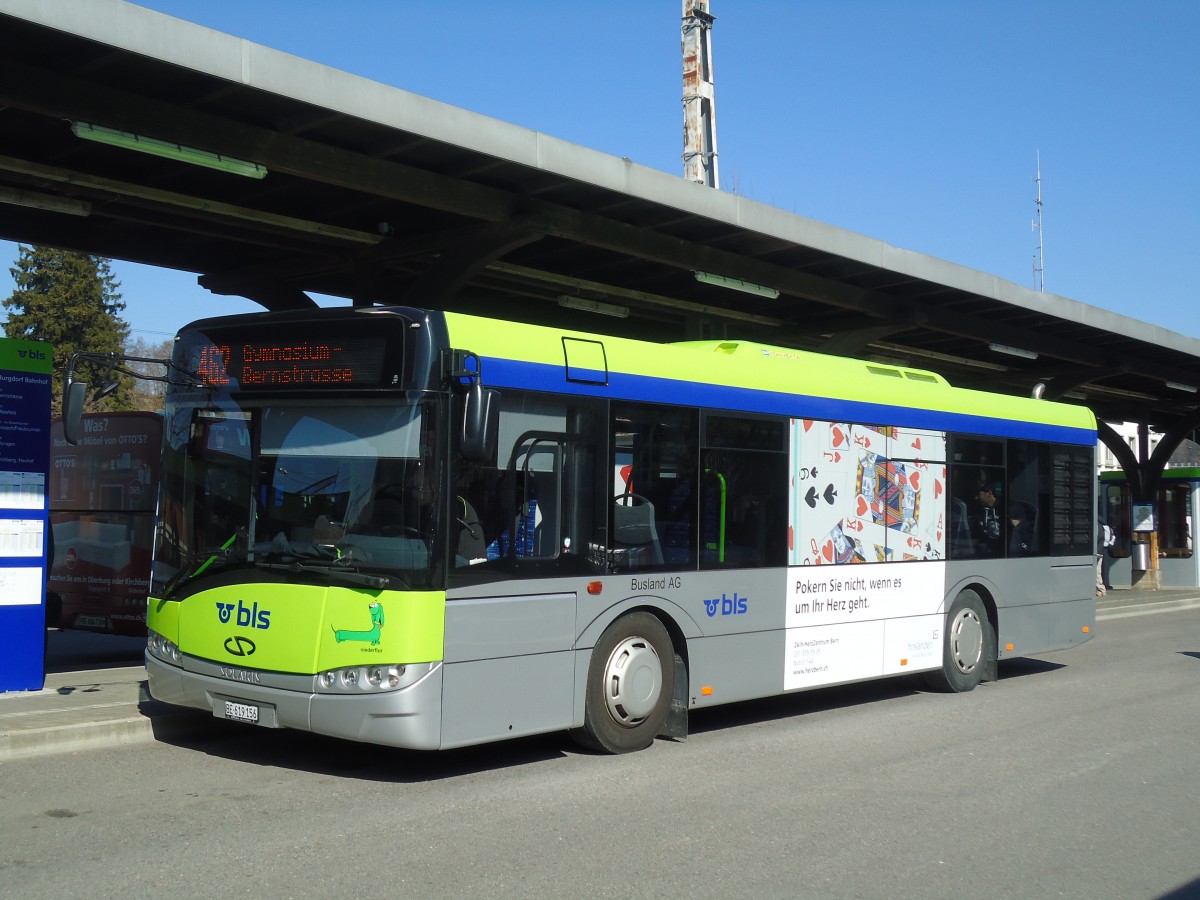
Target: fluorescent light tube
167,150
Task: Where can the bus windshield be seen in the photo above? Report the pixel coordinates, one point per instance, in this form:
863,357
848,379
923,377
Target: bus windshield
343,492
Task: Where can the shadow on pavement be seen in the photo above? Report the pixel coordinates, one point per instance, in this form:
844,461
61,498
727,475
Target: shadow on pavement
302,751
1189,891
317,754
1022,666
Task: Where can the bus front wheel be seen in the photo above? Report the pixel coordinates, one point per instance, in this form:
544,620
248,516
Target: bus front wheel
968,647
631,679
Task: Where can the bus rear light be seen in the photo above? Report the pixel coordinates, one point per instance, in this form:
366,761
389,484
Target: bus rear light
595,587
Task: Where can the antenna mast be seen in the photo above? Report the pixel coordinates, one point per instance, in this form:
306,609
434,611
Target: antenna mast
699,105
1039,258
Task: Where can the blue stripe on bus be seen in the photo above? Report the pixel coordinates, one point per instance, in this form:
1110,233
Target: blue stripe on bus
588,376
501,373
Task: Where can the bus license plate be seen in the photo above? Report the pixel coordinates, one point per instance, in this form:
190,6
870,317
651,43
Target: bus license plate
241,712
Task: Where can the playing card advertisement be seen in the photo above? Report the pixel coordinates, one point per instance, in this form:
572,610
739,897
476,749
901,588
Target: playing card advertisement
862,494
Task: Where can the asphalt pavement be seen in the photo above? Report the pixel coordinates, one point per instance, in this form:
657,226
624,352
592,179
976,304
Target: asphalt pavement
95,694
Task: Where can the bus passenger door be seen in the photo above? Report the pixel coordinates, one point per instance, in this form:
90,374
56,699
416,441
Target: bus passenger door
509,669
511,617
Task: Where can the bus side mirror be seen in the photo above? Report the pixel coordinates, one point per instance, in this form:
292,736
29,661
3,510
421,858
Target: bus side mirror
105,389
74,398
481,417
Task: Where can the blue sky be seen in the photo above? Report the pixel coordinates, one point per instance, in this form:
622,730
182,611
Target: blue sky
915,122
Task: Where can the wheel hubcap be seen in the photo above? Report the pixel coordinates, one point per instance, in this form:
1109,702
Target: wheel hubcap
966,640
633,681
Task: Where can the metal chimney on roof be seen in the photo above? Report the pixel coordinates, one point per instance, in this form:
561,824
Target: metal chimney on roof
699,106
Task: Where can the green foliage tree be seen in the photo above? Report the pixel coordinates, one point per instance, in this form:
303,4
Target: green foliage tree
70,300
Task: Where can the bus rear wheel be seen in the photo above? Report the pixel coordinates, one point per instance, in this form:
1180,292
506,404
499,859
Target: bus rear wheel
969,645
631,679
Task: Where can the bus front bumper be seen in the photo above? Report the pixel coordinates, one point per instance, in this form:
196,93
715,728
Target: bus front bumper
408,717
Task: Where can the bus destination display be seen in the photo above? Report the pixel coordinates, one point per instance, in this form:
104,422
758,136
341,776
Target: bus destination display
256,364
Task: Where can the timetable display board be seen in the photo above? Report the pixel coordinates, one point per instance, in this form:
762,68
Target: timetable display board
25,368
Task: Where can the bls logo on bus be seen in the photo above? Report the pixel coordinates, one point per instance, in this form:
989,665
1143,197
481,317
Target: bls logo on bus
247,616
726,605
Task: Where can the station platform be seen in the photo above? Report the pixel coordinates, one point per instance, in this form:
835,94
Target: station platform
95,694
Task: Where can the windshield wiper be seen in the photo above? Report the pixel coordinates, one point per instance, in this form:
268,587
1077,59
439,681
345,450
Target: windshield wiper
334,572
222,553
266,558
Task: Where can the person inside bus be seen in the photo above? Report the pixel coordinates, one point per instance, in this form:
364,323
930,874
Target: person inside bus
403,503
481,518
470,546
1022,540
387,507
986,520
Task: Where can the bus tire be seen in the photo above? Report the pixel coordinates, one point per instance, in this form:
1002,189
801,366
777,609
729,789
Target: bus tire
968,646
631,680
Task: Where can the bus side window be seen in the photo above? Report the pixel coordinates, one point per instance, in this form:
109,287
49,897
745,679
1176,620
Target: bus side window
1067,508
534,503
538,471
654,488
1029,501
743,515
979,497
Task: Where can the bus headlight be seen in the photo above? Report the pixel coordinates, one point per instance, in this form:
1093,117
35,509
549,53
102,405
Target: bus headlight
384,676
366,679
160,648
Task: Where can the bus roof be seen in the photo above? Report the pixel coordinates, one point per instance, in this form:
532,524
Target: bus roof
754,377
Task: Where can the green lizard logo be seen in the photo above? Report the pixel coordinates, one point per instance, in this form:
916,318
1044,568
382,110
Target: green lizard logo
371,635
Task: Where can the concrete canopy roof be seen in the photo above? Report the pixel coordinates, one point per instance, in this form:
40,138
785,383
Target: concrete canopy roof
380,195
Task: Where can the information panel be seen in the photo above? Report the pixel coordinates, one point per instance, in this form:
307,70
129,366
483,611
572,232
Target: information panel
25,368
348,355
